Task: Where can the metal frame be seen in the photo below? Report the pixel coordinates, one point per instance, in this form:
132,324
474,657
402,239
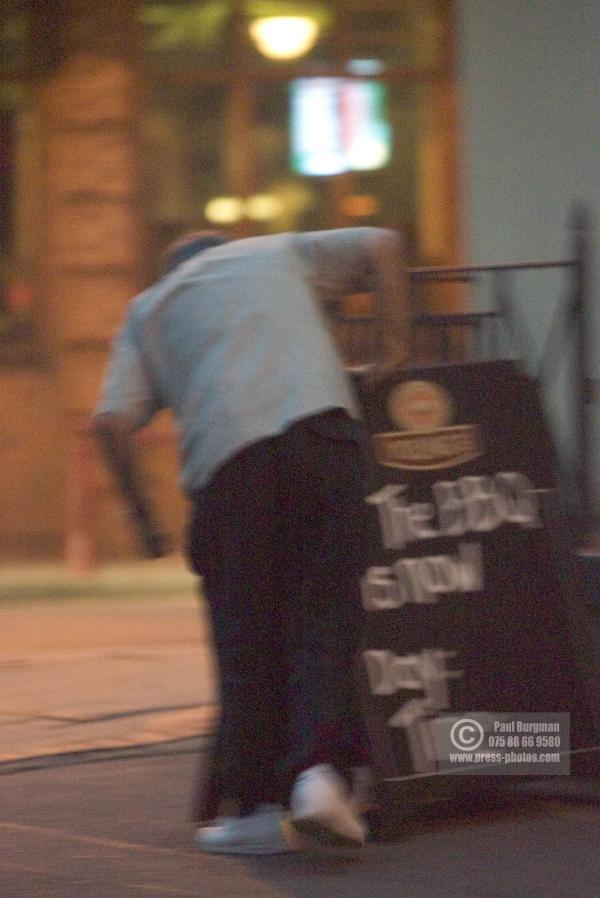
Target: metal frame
571,324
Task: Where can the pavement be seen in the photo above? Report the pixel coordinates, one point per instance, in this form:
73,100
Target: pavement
108,698
116,660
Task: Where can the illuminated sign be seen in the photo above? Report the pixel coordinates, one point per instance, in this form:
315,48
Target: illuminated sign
338,125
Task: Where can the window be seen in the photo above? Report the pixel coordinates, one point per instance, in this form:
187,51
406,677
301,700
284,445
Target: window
16,209
219,116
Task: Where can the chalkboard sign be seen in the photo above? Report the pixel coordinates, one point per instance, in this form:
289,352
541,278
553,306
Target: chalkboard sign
468,596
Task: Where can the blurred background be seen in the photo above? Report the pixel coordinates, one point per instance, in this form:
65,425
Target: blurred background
472,126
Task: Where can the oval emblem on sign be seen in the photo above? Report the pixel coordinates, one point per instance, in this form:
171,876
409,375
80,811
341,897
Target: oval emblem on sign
420,405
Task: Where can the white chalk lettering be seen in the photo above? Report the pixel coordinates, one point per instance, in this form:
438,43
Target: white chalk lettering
415,717
388,672
423,580
400,522
452,511
427,672
521,501
470,504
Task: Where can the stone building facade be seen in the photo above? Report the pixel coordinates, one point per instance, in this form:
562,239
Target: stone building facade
121,123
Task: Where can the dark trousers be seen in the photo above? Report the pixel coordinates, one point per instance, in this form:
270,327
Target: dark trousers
279,537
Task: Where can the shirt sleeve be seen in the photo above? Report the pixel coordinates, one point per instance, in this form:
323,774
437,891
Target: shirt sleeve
127,388
372,260
339,260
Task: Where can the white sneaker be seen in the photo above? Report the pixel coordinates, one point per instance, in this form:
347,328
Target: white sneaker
322,808
266,831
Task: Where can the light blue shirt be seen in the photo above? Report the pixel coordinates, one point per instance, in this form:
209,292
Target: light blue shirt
235,341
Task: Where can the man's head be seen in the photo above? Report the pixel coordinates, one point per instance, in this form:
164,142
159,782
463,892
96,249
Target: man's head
190,245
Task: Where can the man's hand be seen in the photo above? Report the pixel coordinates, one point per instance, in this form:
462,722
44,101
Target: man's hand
154,543
372,375
114,435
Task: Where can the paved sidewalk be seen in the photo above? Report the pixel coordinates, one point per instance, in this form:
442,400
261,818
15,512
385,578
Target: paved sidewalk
92,678
118,829
120,667
52,580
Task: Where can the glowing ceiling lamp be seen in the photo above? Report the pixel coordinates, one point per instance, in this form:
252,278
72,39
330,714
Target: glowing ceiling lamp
224,210
284,37
263,207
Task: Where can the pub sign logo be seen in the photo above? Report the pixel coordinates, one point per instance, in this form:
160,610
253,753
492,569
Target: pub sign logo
427,438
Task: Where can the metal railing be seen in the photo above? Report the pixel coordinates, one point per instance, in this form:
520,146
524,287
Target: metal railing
475,335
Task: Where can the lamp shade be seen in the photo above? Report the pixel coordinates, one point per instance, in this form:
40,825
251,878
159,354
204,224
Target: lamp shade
284,37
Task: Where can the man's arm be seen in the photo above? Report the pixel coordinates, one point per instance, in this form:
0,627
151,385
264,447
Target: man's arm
392,301
114,434
372,260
